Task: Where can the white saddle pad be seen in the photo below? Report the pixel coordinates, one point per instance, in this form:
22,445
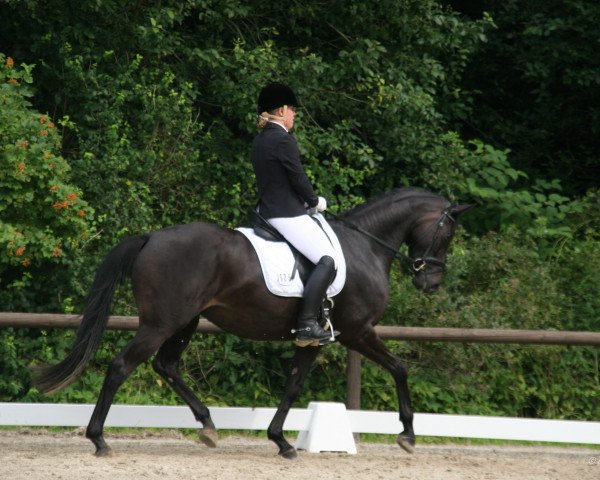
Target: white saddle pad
277,263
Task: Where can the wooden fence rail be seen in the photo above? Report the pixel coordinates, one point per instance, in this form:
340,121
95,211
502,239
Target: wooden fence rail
422,334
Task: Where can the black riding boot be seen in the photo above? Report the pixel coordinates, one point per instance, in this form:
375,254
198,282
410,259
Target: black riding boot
308,329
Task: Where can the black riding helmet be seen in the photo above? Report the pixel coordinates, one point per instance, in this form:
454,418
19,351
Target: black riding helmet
275,95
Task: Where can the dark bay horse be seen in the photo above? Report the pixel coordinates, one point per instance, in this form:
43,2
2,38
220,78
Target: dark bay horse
183,271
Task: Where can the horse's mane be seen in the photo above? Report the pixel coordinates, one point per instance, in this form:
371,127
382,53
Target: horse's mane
374,209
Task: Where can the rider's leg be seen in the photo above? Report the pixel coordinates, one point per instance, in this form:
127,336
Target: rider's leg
314,291
310,240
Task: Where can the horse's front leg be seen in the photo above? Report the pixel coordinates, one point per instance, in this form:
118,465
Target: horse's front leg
303,359
370,345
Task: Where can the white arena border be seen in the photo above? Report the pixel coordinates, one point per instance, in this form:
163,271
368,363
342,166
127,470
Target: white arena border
323,426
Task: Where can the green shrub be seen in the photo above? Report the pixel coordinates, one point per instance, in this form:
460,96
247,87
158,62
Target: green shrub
500,281
44,222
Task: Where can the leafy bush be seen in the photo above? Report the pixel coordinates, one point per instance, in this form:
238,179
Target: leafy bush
500,281
505,196
44,220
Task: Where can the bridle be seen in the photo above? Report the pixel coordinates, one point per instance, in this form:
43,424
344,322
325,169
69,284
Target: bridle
417,264
421,263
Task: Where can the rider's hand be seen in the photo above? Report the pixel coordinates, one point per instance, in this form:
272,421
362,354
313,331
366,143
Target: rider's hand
322,205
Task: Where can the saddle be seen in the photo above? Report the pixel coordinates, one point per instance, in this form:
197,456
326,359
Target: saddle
303,267
262,228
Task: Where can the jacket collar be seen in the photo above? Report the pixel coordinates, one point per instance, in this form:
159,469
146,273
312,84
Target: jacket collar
276,125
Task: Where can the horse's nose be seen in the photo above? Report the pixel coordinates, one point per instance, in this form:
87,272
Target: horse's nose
425,284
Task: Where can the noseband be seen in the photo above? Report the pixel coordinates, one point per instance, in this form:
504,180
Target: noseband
420,264
416,264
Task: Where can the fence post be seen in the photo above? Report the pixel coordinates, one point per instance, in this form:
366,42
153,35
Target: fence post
353,380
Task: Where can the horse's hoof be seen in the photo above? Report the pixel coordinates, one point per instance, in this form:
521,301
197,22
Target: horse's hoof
406,442
290,453
103,452
208,436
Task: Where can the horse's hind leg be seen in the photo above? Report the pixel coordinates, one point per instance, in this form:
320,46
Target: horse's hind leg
138,350
166,364
303,359
371,346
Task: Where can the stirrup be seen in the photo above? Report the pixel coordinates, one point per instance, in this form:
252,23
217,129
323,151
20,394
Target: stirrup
306,343
304,337
316,342
325,324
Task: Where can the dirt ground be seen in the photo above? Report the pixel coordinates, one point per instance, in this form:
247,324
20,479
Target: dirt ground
38,454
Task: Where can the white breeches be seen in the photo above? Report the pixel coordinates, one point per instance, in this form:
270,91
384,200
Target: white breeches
306,235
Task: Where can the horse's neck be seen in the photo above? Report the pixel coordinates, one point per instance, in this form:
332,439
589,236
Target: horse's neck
392,221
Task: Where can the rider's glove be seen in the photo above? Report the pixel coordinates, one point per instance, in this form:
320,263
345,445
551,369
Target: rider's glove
322,205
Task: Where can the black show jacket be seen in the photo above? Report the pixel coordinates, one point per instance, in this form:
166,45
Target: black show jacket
283,186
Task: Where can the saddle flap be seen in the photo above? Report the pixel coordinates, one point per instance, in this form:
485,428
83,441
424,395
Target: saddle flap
281,269
263,228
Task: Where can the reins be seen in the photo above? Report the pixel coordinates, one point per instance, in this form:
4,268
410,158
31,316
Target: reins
413,265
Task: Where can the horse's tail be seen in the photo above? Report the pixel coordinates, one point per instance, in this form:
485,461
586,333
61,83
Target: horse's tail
115,268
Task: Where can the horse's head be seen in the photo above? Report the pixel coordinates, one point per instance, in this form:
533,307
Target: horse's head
428,246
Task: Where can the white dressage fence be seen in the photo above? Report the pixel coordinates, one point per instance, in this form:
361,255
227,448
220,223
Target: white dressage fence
323,426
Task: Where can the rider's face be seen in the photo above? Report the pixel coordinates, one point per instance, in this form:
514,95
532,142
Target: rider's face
289,113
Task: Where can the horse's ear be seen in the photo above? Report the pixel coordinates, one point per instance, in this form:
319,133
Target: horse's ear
456,210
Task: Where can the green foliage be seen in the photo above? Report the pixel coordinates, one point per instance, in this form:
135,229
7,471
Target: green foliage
535,86
500,281
43,217
371,94
505,197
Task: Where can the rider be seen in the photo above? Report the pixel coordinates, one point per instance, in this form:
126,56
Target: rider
285,193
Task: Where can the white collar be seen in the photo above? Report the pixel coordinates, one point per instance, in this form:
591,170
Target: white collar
280,124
